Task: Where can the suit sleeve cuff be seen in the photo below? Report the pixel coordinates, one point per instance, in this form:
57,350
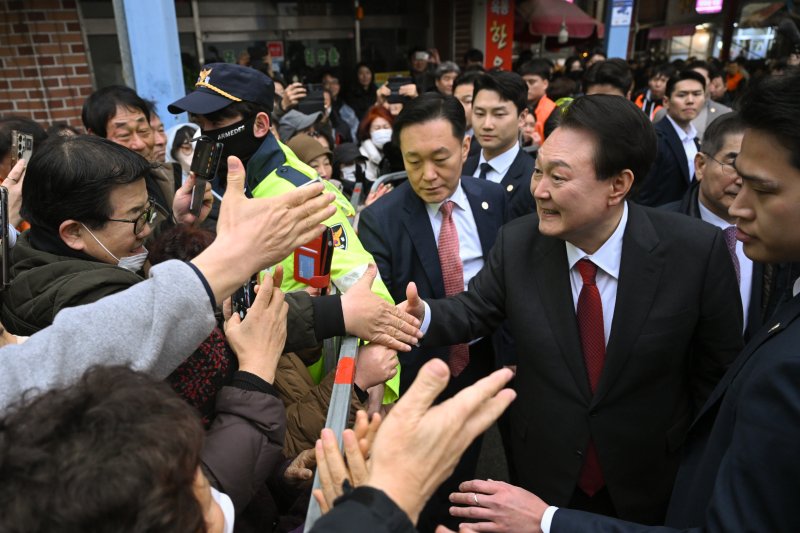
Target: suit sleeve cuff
328,317
547,518
426,320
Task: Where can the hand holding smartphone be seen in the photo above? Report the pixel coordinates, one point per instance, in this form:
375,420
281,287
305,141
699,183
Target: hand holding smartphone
205,162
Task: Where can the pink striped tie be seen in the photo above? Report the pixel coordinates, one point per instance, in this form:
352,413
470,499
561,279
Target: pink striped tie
453,276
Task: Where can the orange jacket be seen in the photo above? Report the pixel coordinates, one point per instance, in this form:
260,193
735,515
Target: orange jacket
542,113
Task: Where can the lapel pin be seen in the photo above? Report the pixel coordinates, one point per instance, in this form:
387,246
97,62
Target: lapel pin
485,205
773,328
510,188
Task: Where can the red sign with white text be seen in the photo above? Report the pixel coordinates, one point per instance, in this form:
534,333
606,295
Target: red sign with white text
275,49
499,34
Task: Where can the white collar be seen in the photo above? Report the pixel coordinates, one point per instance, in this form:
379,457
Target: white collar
459,197
711,218
500,163
609,256
684,135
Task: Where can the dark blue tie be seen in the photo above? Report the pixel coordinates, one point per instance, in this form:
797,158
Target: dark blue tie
485,168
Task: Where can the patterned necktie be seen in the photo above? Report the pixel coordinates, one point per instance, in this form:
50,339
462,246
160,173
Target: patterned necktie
485,169
453,276
590,325
730,240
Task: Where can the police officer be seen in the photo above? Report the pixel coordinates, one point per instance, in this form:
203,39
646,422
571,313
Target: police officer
232,105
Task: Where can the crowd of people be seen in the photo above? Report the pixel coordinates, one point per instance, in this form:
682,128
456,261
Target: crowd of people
597,256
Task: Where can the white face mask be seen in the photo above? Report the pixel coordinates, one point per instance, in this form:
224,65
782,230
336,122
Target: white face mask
381,137
134,263
226,505
185,161
348,173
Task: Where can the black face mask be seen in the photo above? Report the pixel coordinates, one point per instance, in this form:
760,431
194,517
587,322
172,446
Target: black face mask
238,140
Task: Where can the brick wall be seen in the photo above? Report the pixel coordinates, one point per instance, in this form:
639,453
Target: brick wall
44,67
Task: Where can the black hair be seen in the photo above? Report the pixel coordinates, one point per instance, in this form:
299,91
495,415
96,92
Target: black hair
467,78
118,451
428,107
21,124
666,70
614,72
62,128
699,64
570,60
509,85
684,75
537,67
627,135
716,132
101,106
772,105
182,135
474,55
561,87
72,178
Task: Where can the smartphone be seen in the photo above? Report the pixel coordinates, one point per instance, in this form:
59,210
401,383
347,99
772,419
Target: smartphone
4,256
244,297
394,83
314,101
21,147
312,261
205,162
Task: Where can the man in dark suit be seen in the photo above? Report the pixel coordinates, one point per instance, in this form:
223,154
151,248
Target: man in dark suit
407,234
498,113
624,319
463,88
761,287
739,470
673,171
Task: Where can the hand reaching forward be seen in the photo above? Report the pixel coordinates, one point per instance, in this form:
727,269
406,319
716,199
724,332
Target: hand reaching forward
501,507
418,446
370,317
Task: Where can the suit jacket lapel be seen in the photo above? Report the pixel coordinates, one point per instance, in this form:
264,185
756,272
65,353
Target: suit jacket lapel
772,327
676,146
514,173
639,274
551,271
483,217
420,231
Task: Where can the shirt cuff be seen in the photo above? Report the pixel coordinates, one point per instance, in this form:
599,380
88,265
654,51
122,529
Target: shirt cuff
12,236
205,284
426,320
547,518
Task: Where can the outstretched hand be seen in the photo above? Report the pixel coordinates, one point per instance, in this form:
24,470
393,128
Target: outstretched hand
370,317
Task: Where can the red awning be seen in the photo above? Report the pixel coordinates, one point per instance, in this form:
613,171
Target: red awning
544,17
667,32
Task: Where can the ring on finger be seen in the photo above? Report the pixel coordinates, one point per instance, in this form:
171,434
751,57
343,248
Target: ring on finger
475,497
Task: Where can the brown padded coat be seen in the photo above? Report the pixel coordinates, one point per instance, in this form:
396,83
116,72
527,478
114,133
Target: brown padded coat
306,403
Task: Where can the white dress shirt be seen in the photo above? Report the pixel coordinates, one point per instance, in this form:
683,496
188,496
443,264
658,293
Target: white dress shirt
687,138
607,258
745,263
469,244
499,163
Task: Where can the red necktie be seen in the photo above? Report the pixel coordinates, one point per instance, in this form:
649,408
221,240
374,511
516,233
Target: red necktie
590,324
453,276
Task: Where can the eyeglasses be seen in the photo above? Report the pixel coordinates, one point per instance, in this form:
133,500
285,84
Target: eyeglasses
147,217
727,168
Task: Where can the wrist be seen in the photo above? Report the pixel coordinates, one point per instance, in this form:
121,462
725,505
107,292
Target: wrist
265,372
406,497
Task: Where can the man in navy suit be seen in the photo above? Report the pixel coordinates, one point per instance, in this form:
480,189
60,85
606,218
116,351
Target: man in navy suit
739,470
411,232
673,170
498,113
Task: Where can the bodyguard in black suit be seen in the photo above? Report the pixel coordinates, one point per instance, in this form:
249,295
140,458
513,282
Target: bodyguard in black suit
404,231
673,171
761,287
669,327
498,113
739,470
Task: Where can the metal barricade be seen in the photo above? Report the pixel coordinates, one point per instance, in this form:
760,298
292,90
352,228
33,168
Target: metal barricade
338,410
